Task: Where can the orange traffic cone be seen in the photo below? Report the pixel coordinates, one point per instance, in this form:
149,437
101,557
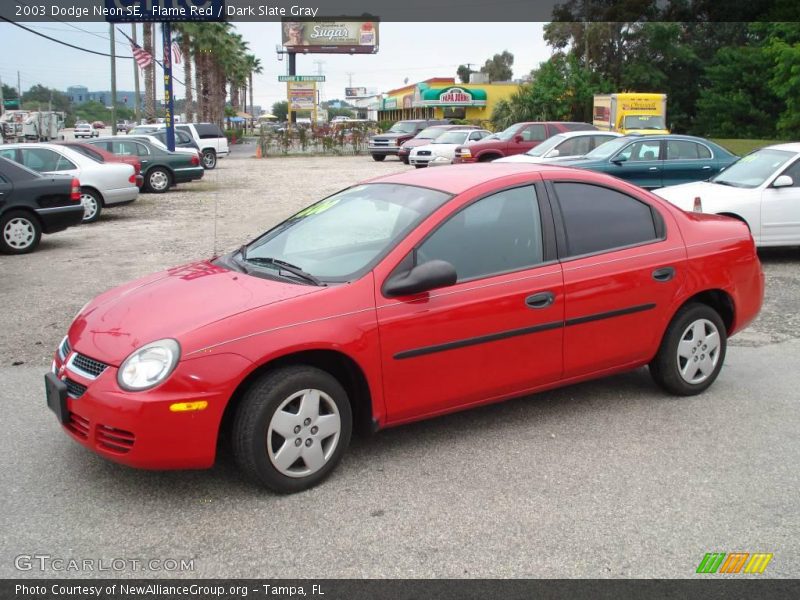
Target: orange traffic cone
258,150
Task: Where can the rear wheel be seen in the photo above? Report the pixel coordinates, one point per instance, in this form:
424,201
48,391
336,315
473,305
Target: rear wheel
209,159
692,351
20,232
291,428
378,157
404,159
158,180
92,205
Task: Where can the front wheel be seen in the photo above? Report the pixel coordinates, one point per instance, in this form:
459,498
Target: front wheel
692,351
378,157
292,428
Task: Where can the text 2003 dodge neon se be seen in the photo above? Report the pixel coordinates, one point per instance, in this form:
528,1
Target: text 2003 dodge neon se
398,299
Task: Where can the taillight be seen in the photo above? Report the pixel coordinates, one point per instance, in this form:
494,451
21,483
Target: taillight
698,205
132,179
195,160
75,191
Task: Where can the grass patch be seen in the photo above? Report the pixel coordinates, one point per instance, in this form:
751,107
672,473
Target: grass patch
742,147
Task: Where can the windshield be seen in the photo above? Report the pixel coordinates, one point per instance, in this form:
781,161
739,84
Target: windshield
506,134
608,148
754,169
403,127
141,130
453,137
431,133
644,122
342,236
546,146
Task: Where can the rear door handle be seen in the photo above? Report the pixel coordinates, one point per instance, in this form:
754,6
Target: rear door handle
664,273
653,169
706,167
540,300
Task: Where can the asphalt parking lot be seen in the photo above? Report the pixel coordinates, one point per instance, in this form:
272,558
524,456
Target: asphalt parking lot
611,478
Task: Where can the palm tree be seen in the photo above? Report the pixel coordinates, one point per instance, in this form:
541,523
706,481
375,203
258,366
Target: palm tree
184,33
255,68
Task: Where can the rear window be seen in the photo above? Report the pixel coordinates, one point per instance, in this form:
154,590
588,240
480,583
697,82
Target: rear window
88,152
208,130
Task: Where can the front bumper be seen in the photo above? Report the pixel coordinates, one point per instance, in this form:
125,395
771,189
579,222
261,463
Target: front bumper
384,150
138,429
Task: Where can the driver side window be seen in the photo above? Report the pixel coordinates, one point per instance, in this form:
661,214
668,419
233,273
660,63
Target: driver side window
793,171
497,234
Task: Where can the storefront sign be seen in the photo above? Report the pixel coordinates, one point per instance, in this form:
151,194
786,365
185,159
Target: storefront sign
302,95
454,96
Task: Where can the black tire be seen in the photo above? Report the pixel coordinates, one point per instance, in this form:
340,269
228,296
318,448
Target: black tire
405,160
158,180
666,366
420,166
209,159
487,158
378,157
254,415
20,232
92,205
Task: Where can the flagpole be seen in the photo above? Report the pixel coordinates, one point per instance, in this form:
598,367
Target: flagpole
136,103
113,81
169,105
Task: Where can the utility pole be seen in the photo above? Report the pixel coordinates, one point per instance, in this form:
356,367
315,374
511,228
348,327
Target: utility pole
137,110
113,80
2,103
19,89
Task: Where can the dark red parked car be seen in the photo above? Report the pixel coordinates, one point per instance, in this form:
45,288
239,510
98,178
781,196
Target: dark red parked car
399,299
516,139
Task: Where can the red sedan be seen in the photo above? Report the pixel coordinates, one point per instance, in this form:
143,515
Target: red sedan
399,299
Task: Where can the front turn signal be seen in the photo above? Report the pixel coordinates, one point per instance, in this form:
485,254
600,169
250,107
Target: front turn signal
188,406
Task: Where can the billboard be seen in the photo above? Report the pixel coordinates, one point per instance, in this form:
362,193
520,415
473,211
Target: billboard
302,95
331,36
355,92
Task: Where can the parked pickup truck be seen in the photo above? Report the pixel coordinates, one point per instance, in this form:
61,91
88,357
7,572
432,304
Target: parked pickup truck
516,139
388,143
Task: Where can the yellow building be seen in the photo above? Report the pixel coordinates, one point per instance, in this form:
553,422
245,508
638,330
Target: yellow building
443,98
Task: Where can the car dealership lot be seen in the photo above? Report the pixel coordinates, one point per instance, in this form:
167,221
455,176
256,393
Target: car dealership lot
605,479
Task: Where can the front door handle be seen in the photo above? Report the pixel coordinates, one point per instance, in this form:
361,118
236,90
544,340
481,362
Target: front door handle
664,273
706,168
540,300
653,169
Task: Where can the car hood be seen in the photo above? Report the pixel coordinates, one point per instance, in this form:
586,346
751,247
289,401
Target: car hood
416,142
520,158
390,136
712,195
171,304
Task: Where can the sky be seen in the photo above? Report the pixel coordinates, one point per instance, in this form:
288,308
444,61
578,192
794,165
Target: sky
416,51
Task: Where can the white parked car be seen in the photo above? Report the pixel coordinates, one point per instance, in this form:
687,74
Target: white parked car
103,185
762,189
85,130
562,146
443,149
210,139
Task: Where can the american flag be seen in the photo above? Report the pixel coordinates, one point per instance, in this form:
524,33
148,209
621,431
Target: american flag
140,55
177,55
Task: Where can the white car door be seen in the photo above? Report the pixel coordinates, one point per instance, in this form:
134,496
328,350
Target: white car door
780,210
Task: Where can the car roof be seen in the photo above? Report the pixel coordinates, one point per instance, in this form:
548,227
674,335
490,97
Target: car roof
789,146
582,132
456,179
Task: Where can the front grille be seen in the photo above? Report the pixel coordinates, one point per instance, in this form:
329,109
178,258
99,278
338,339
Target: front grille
78,425
87,365
113,439
74,389
380,142
64,349
424,153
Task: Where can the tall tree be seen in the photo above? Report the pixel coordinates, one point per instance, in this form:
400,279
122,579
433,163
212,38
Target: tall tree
185,32
255,68
463,72
498,68
281,110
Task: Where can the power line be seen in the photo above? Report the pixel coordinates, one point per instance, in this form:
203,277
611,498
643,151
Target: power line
47,37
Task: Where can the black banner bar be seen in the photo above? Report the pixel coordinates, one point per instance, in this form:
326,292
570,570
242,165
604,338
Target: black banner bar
728,588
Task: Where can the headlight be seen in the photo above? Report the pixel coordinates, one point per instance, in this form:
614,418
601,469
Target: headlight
149,365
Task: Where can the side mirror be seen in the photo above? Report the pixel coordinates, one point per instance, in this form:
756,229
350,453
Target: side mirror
783,181
518,138
619,159
553,153
427,276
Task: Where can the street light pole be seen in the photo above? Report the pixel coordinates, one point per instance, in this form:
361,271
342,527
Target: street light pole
113,80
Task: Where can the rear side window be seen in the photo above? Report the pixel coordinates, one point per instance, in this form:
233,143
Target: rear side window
208,130
597,219
684,150
534,133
